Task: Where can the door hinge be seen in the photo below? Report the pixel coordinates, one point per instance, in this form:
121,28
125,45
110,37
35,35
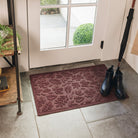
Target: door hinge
102,44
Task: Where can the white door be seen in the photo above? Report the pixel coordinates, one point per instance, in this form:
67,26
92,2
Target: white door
66,31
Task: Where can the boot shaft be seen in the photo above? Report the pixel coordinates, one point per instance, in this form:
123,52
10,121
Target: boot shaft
118,75
110,73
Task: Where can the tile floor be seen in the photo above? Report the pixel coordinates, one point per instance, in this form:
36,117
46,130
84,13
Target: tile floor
117,119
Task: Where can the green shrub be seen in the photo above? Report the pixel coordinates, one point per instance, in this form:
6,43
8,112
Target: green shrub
49,10
45,11
45,2
83,34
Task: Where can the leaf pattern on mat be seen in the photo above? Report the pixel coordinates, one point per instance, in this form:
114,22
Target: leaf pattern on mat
69,89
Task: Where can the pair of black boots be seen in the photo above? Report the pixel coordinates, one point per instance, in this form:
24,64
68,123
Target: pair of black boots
116,81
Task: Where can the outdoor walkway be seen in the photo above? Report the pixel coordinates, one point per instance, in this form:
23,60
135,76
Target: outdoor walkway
53,31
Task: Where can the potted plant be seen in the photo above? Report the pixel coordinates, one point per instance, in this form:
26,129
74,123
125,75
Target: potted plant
6,34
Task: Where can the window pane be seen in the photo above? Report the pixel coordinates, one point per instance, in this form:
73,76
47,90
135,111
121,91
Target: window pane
53,27
83,1
82,25
53,2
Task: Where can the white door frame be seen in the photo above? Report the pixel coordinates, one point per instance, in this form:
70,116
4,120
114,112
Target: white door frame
68,54
112,13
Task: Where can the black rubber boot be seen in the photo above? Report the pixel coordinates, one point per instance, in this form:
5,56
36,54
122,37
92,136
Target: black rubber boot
107,83
118,84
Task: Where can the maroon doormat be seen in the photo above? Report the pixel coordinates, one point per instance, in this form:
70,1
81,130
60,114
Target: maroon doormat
69,89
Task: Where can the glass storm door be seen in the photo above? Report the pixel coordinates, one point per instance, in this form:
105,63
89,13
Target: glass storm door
65,31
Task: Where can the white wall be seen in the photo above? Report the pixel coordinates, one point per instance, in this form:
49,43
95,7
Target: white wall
3,20
21,24
130,58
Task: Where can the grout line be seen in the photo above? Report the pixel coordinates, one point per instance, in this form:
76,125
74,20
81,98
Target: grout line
33,100
35,121
34,108
106,118
86,124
